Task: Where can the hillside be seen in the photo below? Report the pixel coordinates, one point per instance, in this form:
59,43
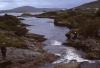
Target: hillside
29,9
95,4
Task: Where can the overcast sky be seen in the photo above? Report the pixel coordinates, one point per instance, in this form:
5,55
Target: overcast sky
9,4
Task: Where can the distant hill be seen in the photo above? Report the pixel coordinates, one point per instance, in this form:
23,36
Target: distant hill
95,4
29,9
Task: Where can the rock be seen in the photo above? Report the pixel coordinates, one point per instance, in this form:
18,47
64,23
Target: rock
26,15
73,61
69,65
20,55
50,57
21,19
47,65
26,58
4,64
38,38
92,48
21,31
59,23
90,65
38,61
57,50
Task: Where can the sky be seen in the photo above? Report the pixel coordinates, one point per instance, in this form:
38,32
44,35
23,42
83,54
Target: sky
10,4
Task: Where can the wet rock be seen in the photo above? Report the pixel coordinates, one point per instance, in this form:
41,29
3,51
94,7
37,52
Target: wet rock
73,61
57,50
21,19
90,65
50,57
90,46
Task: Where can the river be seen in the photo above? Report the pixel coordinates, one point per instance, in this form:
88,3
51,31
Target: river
55,38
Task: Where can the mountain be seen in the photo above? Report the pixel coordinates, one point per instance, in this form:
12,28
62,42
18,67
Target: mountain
29,9
95,4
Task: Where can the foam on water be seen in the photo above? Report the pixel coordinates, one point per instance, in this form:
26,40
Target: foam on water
71,55
55,42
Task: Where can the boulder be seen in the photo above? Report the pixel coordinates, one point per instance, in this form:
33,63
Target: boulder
20,55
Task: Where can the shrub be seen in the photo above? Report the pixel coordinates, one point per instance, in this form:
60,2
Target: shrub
12,23
90,28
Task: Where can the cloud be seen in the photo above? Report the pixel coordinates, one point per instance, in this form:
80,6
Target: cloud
9,4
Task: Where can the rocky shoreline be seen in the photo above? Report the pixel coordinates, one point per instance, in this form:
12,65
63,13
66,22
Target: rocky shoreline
85,25
27,49
24,50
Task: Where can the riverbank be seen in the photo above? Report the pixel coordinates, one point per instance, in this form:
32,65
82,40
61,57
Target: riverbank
87,27
23,48
35,55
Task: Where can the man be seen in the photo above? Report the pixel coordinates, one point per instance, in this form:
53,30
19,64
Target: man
3,52
75,35
72,35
